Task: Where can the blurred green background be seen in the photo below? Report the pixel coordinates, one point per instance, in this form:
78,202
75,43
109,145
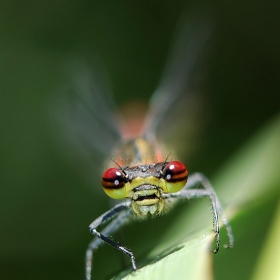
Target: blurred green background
46,203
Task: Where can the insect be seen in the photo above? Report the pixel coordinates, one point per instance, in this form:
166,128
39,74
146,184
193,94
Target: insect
141,176
146,188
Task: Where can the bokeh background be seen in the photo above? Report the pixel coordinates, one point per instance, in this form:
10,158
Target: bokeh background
46,202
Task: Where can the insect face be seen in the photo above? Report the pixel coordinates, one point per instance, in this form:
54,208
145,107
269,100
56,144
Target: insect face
145,184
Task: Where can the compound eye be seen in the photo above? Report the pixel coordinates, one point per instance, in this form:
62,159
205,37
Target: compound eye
175,175
113,183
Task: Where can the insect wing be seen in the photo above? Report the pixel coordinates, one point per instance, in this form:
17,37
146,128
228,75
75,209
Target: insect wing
175,105
88,117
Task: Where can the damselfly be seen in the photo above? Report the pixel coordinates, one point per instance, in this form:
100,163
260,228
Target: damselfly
140,174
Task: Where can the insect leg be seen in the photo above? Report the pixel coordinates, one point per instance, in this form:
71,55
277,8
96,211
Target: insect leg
199,180
118,216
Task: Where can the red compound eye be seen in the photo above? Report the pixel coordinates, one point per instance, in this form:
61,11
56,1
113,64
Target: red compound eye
113,179
176,175
175,171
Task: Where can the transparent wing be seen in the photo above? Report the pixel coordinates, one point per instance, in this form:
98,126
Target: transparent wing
93,112
174,102
87,115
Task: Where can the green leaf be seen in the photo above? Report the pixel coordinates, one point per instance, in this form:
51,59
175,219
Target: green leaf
196,251
268,264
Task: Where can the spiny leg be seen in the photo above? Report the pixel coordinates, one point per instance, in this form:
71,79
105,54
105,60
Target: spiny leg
193,193
194,181
119,215
200,178
96,242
